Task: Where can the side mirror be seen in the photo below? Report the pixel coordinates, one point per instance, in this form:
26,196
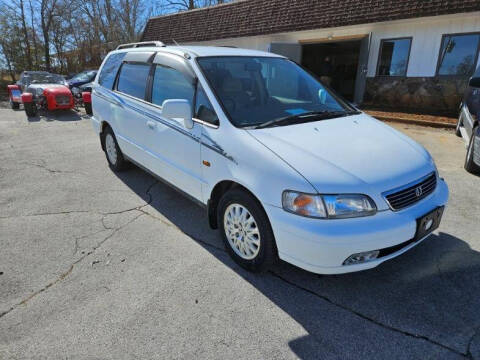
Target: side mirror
178,109
474,82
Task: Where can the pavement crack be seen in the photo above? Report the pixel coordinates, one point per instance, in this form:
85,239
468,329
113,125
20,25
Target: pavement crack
469,354
43,165
46,287
70,269
372,320
139,207
65,212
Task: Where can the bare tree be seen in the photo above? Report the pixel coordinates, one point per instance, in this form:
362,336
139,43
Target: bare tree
48,11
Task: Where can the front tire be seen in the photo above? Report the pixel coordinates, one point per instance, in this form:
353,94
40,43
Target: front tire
88,108
459,125
470,165
246,231
30,109
112,151
14,105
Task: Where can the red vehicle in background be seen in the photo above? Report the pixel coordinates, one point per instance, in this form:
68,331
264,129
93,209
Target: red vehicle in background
43,90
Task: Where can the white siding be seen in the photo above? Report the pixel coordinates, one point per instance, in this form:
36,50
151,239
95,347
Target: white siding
426,32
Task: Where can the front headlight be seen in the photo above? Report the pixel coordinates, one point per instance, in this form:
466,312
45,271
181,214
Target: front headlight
328,206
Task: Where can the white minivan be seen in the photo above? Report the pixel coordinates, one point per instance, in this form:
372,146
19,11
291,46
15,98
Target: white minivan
284,167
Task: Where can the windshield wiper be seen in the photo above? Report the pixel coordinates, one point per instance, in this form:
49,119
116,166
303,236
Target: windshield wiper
305,117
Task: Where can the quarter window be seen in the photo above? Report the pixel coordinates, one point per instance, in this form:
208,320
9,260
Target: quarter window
393,59
204,109
458,54
110,69
169,83
133,79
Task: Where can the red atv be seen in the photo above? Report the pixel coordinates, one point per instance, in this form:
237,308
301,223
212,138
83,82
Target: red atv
43,90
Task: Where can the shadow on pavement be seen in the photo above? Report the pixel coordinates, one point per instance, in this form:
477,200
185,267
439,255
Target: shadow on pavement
57,115
429,296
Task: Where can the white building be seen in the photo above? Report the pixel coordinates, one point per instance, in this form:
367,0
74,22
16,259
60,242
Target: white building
406,54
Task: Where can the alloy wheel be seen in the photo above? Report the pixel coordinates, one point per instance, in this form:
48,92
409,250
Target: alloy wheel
242,231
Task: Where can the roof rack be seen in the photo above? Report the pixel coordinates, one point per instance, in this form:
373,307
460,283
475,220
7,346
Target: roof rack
141,44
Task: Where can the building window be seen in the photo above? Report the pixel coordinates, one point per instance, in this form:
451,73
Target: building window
458,54
393,58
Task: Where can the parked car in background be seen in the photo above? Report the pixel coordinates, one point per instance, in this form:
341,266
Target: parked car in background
42,90
284,167
79,94
82,78
468,123
29,77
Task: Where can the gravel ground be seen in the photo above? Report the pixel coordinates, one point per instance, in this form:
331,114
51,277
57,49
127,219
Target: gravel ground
97,265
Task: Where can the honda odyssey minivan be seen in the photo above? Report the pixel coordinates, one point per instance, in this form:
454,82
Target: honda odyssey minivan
284,167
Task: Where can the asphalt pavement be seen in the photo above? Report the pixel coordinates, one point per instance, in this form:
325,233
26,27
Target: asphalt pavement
98,265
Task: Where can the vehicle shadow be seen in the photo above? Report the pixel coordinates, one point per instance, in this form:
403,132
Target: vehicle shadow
426,301
58,115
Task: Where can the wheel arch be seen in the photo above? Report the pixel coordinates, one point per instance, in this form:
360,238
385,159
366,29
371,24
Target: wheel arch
216,194
103,125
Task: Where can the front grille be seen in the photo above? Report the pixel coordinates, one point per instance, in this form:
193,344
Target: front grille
410,194
62,99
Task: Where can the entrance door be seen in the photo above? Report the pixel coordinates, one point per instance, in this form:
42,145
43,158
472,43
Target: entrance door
290,50
362,69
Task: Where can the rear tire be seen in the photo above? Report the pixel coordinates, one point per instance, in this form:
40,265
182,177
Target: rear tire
246,231
88,108
30,109
112,151
470,165
14,105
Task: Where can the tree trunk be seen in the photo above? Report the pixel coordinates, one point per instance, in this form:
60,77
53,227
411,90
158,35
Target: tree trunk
25,36
34,35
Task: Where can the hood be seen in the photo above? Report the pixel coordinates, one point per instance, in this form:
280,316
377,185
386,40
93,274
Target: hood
46,86
352,154
57,90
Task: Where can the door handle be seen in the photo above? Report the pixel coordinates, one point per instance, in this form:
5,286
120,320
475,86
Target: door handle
151,124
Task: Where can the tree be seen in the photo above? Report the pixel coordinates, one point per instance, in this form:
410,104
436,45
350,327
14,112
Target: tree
48,11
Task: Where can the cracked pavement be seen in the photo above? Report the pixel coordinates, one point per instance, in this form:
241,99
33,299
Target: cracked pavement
97,265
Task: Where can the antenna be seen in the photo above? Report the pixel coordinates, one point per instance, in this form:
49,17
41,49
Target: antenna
175,42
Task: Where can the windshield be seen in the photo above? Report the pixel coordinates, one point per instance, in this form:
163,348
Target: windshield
256,91
84,76
44,78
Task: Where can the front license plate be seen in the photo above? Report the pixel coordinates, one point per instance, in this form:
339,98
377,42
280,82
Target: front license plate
428,223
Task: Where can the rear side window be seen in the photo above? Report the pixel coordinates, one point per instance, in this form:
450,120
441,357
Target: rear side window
133,79
169,83
110,69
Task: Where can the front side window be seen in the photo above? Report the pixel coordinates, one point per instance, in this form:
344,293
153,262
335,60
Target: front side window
204,109
110,69
169,83
133,79
458,54
258,91
393,59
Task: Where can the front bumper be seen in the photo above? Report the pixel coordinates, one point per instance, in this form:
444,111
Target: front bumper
321,246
